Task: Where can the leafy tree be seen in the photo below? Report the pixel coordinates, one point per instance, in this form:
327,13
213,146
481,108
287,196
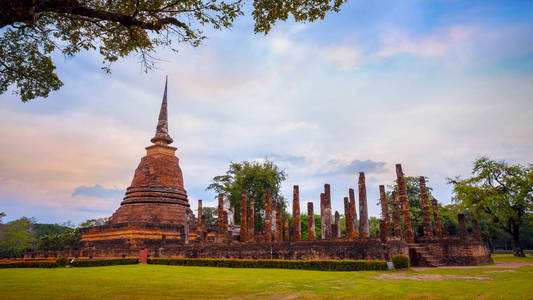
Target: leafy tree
94,222
501,192
62,241
211,216
17,237
46,229
2,214
254,178
33,30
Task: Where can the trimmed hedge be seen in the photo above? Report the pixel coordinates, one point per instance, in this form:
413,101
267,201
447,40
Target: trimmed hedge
400,261
321,265
104,262
29,264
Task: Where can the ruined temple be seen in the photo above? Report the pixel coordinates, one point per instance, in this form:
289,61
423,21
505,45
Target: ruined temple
155,219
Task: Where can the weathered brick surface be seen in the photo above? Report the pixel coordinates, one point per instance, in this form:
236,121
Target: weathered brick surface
436,218
268,216
327,212
296,213
348,218
310,221
355,223
364,229
385,228
396,216
426,212
244,208
402,190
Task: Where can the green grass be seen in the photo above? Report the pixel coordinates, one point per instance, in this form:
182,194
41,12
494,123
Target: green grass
159,282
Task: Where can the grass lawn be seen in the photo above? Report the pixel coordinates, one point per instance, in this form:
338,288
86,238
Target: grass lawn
158,281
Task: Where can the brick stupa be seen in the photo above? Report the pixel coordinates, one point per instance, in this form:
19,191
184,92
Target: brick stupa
155,204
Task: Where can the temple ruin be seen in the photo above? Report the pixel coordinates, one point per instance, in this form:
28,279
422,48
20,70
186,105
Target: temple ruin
155,220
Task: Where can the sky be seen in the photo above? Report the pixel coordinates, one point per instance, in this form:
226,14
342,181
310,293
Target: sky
432,85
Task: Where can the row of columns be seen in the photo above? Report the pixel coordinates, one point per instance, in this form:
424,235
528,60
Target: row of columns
276,228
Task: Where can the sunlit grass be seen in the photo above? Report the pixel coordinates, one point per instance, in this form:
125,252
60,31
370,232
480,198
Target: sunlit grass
159,282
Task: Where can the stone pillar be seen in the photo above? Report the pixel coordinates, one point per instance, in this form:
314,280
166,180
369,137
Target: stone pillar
244,208
310,221
463,234
363,209
279,223
382,233
203,230
396,217
436,218
186,226
327,211
476,233
251,220
220,217
426,211
355,224
385,228
337,232
227,235
297,227
268,216
322,216
404,202
348,219
286,228
200,214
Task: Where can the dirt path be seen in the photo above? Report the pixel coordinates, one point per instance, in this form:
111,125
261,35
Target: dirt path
499,265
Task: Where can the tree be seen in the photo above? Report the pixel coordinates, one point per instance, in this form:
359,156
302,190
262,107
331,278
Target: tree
17,237
36,29
498,191
60,241
211,216
254,178
94,222
2,215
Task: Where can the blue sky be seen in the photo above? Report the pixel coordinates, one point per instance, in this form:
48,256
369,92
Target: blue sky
429,84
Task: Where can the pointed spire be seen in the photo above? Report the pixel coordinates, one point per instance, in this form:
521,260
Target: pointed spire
161,132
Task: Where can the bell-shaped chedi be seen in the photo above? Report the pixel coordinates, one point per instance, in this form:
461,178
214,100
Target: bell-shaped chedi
156,194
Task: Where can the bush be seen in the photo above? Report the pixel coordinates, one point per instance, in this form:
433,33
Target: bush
62,261
105,262
29,264
321,265
400,261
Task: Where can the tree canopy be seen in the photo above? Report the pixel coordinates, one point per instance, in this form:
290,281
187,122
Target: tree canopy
499,192
32,30
254,178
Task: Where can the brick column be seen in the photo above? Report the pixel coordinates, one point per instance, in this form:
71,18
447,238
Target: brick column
186,227
279,223
322,216
297,227
327,211
396,217
251,221
310,221
220,217
436,218
268,216
226,232
337,231
404,202
200,214
363,209
348,219
462,226
426,212
355,224
385,229
244,208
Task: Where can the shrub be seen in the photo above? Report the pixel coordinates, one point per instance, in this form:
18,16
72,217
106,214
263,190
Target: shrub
322,265
104,262
62,261
29,264
400,261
